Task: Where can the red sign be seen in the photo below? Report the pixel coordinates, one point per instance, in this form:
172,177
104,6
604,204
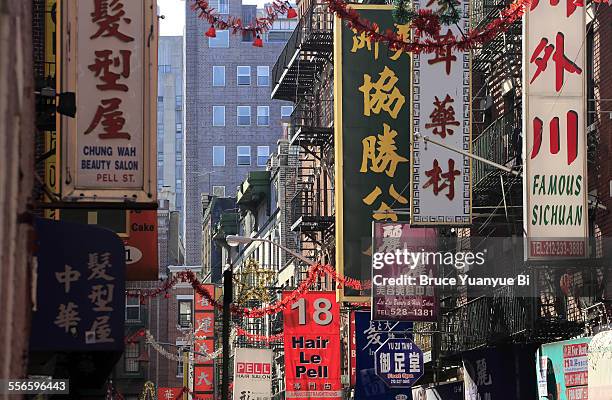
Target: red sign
204,346
141,259
311,335
164,393
203,378
576,370
201,302
253,368
204,324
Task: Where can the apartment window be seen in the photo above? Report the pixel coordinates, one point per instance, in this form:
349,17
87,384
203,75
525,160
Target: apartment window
243,115
286,111
132,307
130,355
221,41
218,191
184,317
221,6
179,127
160,99
244,155
263,153
243,75
178,102
218,116
263,115
218,75
263,75
179,364
218,156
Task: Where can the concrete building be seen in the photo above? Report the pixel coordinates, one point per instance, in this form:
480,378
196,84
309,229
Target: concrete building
170,132
231,122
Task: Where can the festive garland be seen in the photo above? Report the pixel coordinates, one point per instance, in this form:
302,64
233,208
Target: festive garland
259,338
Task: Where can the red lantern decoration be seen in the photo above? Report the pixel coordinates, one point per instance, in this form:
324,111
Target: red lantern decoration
258,42
291,13
211,32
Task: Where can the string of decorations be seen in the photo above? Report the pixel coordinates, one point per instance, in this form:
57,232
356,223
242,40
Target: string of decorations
148,391
314,272
257,27
259,338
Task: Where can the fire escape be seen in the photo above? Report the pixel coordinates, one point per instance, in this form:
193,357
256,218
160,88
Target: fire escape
302,75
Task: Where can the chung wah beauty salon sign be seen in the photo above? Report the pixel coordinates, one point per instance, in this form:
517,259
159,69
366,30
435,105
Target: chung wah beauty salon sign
555,186
108,150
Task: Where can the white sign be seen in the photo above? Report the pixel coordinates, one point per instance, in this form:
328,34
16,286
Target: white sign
554,146
108,150
253,374
441,179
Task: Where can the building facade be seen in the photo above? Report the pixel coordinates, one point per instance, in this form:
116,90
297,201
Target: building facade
231,122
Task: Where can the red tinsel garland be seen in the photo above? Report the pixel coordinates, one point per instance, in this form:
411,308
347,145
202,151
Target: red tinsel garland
259,338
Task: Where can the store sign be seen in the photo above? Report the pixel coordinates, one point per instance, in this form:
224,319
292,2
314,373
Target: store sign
372,139
203,378
370,337
108,150
201,302
396,292
441,110
563,370
554,147
399,363
166,393
141,252
253,374
311,335
204,344
81,304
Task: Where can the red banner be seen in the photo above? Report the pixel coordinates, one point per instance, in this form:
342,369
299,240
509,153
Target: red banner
312,334
164,393
202,303
203,378
141,258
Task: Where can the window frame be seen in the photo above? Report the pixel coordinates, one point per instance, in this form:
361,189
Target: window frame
222,75
267,115
213,115
180,321
259,155
213,156
238,156
130,356
238,75
288,115
137,305
267,75
219,33
218,186
238,108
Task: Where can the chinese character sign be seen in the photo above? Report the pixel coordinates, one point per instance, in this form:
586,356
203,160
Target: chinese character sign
311,335
399,363
253,374
83,268
440,179
204,343
109,146
372,139
166,393
554,150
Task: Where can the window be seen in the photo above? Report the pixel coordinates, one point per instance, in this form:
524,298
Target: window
132,307
218,116
179,364
218,75
243,115
263,75
263,153
263,115
221,41
244,155
218,156
178,102
220,6
218,191
286,111
179,127
130,356
160,99
184,317
243,75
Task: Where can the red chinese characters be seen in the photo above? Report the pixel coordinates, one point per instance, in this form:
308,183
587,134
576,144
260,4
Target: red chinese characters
571,136
101,67
442,180
542,54
571,5
107,15
444,53
442,117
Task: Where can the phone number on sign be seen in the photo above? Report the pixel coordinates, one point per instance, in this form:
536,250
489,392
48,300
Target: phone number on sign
34,386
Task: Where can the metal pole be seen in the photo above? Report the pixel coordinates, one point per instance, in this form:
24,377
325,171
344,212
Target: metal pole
227,301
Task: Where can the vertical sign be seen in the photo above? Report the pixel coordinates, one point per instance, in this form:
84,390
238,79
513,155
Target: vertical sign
405,299
108,150
576,370
204,343
441,178
141,252
253,374
352,349
554,149
311,335
50,137
372,139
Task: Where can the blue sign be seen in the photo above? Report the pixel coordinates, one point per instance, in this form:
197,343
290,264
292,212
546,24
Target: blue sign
399,363
370,335
81,288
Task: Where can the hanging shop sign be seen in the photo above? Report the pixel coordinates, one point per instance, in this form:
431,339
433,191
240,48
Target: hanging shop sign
554,147
399,363
372,139
204,343
141,252
81,304
562,370
441,110
167,393
51,176
253,374
203,378
108,150
402,254
370,336
311,335
201,302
